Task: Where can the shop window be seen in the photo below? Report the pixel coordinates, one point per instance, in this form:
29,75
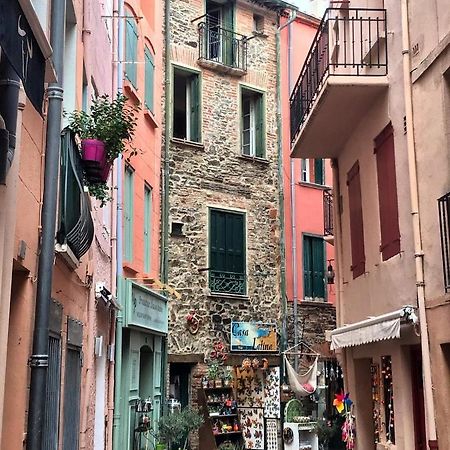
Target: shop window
358,266
186,105
313,268
147,227
387,193
388,398
128,212
252,123
131,44
149,79
227,266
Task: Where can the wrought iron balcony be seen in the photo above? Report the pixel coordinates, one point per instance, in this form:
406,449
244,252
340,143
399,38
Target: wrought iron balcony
444,226
222,49
227,282
349,43
328,229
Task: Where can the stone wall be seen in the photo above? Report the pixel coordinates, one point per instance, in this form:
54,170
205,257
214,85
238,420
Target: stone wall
214,174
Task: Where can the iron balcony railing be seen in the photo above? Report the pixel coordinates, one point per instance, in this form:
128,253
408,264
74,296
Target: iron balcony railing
328,229
222,46
349,42
444,226
227,282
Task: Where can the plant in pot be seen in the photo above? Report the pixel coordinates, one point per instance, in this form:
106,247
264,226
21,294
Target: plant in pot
106,132
174,429
227,376
213,372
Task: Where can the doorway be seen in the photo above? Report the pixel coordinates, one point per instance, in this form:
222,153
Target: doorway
179,389
420,438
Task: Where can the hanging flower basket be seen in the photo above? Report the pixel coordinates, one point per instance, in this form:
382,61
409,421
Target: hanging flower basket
93,153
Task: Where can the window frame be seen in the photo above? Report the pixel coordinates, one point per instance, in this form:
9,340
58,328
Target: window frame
319,240
128,213
148,206
149,65
257,99
130,66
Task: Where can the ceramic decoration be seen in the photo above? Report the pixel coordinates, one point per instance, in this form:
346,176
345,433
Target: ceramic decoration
272,393
271,434
250,388
252,422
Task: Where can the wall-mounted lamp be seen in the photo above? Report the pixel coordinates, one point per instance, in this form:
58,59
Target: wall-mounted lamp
329,274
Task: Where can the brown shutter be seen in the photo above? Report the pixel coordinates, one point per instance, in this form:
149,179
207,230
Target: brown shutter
356,221
387,193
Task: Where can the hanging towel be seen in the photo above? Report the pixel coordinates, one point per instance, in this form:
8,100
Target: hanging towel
302,384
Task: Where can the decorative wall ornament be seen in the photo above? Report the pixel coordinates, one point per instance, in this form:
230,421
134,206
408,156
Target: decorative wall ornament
272,393
252,422
249,388
193,322
271,434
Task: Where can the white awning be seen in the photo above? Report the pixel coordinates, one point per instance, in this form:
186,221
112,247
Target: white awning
379,328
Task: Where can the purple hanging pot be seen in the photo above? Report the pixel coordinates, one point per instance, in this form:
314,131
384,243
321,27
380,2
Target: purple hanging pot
93,152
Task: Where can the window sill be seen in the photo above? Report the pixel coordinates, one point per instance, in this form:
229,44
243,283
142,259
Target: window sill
321,304
222,68
219,295
322,187
131,92
185,143
254,159
151,118
260,33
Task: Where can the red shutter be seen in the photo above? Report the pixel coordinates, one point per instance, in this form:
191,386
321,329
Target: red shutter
387,193
356,221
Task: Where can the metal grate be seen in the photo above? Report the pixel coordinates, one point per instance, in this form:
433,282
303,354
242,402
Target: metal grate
50,432
444,226
222,46
328,226
349,42
227,282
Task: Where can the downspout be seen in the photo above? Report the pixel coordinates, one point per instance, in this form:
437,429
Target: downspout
39,359
118,403
280,187
418,250
165,186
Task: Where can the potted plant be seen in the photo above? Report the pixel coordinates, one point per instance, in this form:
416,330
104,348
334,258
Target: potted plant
174,429
227,377
213,372
106,132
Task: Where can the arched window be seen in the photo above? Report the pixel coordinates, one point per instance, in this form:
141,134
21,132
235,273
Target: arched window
131,42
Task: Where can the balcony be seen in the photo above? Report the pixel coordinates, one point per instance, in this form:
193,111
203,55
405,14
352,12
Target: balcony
227,282
328,226
444,226
222,50
344,73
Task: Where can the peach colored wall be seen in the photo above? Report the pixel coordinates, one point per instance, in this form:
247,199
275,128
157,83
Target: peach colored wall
309,198
147,164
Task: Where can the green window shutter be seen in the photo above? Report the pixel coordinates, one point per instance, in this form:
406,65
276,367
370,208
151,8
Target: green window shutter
128,214
147,227
131,41
149,79
318,267
227,37
217,240
307,267
194,87
259,127
318,171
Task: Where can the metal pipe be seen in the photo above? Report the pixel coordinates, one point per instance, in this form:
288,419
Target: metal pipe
417,233
39,358
117,437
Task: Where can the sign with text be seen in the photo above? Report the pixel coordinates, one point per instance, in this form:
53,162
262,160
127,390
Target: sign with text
146,309
253,337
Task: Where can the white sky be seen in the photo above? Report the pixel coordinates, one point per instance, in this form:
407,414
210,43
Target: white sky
313,7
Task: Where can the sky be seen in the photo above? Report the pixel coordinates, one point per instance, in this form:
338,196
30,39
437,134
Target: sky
313,7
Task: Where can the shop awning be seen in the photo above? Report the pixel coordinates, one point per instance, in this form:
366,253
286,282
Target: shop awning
379,328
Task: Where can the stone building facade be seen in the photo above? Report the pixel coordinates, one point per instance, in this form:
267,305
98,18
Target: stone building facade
215,176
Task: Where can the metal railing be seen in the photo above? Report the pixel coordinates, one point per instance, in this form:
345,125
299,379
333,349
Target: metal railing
222,46
444,227
328,229
349,41
227,282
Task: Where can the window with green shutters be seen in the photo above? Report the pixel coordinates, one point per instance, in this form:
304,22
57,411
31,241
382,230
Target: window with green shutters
318,171
252,124
131,43
149,79
128,213
227,267
186,105
147,227
313,268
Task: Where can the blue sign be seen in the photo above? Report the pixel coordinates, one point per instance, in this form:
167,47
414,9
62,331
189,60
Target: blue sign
253,337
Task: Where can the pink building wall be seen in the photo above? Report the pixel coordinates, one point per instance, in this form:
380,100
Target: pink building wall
308,197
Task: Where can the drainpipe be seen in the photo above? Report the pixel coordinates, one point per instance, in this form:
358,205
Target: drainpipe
39,359
165,185
280,186
418,250
118,404
9,93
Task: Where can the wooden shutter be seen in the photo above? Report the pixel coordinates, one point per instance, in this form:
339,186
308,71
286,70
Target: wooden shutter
318,171
217,240
149,79
307,267
356,221
131,40
259,127
387,193
147,227
227,37
194,87
128,214
318,267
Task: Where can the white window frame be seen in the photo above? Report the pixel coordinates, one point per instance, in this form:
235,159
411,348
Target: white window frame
251,130
305,170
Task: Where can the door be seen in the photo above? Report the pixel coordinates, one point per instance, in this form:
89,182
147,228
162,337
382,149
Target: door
214,44
420,438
